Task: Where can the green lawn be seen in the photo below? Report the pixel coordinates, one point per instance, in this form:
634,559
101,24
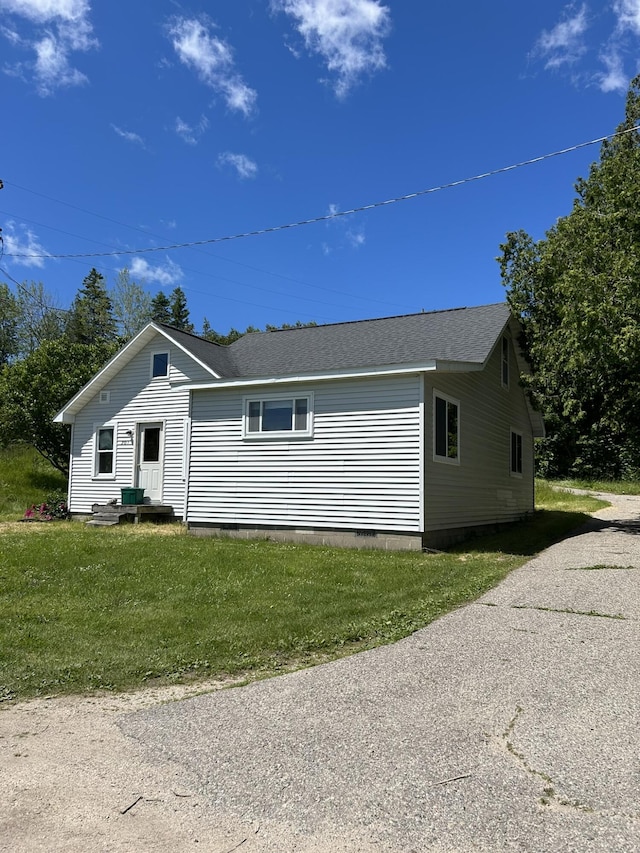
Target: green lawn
113,608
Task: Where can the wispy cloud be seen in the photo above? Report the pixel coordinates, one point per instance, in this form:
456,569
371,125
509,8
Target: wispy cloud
20,240
166,274
129,136
575,46
244,167
564,44
191,133
58,28
212,60
352,232
347,34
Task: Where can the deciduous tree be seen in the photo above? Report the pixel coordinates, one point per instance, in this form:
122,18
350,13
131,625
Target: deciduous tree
577,292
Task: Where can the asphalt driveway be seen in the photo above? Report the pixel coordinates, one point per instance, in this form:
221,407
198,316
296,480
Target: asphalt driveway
512,724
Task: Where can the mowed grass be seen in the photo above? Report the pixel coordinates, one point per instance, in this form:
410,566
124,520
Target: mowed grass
85,609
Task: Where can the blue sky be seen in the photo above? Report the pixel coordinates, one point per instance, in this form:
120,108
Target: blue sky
131,126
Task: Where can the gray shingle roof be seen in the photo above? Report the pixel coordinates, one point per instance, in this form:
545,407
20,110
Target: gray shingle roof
460,334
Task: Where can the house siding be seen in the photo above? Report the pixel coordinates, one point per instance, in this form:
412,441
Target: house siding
360,470
480,489
134,397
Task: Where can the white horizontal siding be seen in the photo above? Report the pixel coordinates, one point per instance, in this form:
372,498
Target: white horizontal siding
135,397
480,490
361,468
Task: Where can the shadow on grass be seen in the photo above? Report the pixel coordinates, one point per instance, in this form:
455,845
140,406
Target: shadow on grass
47,481
528,538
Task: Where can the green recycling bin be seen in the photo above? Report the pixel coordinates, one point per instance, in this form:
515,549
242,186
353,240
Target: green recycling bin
130,497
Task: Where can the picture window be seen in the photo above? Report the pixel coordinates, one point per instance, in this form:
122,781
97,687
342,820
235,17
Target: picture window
278,417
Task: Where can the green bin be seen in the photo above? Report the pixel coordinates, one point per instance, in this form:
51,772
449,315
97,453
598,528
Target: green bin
132,496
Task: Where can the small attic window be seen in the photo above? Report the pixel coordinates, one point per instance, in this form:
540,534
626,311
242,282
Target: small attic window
159,364
105,396
505,362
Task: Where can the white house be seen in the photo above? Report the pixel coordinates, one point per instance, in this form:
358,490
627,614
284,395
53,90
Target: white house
403,432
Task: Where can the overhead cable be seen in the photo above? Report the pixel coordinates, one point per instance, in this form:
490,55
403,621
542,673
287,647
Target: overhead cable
339,213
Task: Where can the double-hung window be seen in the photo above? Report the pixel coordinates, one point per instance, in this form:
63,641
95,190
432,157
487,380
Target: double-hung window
446,429
516,453
278,417
105,451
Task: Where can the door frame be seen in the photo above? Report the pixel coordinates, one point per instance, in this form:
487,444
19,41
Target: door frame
140,426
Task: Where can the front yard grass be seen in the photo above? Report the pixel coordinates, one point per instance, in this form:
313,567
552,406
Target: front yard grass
85,609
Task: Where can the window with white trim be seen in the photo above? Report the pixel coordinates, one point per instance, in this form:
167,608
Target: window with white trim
159,364
446,428
105,451
288,416
516,453
505,362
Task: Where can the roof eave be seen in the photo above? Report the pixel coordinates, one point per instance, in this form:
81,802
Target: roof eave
431,366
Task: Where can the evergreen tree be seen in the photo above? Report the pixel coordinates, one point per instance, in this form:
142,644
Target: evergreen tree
161,308
91,318
577,293
179,311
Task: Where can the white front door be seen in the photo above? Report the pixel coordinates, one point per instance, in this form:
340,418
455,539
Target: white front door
150,461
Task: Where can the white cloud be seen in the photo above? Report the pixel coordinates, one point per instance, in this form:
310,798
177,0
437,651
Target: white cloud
627,13
60,28
166,274
564,44
212,60
128,135
353,233
20,240
347,34
43,11
614,78
245,167
191,133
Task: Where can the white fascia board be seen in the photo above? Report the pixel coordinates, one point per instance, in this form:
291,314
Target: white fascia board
360,373
67,415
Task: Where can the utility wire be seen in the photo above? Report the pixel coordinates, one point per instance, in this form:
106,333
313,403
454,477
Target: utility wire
340,213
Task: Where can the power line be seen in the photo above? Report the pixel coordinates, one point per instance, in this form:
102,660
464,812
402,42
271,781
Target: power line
341,213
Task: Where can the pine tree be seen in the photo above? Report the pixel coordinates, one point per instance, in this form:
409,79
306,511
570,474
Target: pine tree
161,308
180,311
91,318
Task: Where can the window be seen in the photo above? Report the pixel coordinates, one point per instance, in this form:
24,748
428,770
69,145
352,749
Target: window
159,364
446,429
516,453
505,362
277,417
105,452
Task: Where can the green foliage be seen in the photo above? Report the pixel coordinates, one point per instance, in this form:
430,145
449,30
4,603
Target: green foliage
179,312
34,389
161,308
9,313
577,293
233,334
53,508
91,319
